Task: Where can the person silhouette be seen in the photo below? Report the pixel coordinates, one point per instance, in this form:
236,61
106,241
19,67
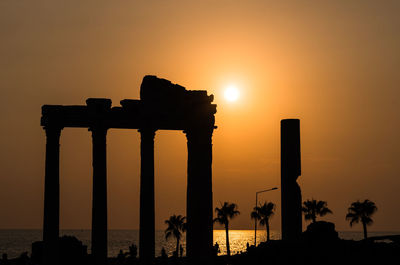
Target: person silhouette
121,257
4,260
164,253
181,251
216,249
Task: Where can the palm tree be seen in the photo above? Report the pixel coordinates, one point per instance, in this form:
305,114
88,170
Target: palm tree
176,227
226,212
361,211
313,208
263,213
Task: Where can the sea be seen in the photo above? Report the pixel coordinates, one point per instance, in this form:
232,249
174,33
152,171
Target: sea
15,242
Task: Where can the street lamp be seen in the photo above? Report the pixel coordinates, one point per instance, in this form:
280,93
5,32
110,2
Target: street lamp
255,223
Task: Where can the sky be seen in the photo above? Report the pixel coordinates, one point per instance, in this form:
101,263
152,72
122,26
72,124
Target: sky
332,64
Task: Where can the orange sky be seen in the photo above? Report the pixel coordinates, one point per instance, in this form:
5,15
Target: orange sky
332,64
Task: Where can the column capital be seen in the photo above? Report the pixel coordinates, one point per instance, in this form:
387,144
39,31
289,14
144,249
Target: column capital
195,132
150,132
98,129
52,130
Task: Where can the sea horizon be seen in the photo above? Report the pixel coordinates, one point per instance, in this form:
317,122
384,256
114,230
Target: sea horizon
16,241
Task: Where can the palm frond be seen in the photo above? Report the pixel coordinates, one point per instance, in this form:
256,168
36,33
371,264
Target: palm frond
226,212
313,208
361,211
176,226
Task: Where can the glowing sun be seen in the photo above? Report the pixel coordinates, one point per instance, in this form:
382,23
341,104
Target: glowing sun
231,93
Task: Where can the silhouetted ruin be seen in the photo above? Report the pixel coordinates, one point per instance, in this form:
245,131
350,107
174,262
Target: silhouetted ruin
290,171
162,106
71,251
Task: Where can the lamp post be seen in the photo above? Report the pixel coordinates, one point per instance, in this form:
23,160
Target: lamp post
255,223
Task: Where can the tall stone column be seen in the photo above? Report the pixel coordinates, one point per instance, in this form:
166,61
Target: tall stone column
147,207
51,218
99,203
199,235
290,171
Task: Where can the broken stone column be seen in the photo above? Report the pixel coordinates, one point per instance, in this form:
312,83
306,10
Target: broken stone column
290,171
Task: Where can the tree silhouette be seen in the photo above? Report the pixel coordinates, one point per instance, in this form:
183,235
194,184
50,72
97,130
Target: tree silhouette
361,211
176,227
262,214
313,208
226,212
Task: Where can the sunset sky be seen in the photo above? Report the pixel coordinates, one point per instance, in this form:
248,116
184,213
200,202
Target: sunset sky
332,64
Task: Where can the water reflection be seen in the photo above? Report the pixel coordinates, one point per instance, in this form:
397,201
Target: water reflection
239,238
14,242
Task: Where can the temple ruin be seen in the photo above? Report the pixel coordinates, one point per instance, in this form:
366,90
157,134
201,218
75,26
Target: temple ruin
162,106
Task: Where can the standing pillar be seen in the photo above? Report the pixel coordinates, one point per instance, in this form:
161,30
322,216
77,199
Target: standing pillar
199,235
147,207
51,218
290,171
99,203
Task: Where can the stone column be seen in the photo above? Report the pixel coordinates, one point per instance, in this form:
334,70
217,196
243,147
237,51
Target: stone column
199,235
51,218
147,211
99,203
290,171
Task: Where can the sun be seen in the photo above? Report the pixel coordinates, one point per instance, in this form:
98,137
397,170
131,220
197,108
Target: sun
231,93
